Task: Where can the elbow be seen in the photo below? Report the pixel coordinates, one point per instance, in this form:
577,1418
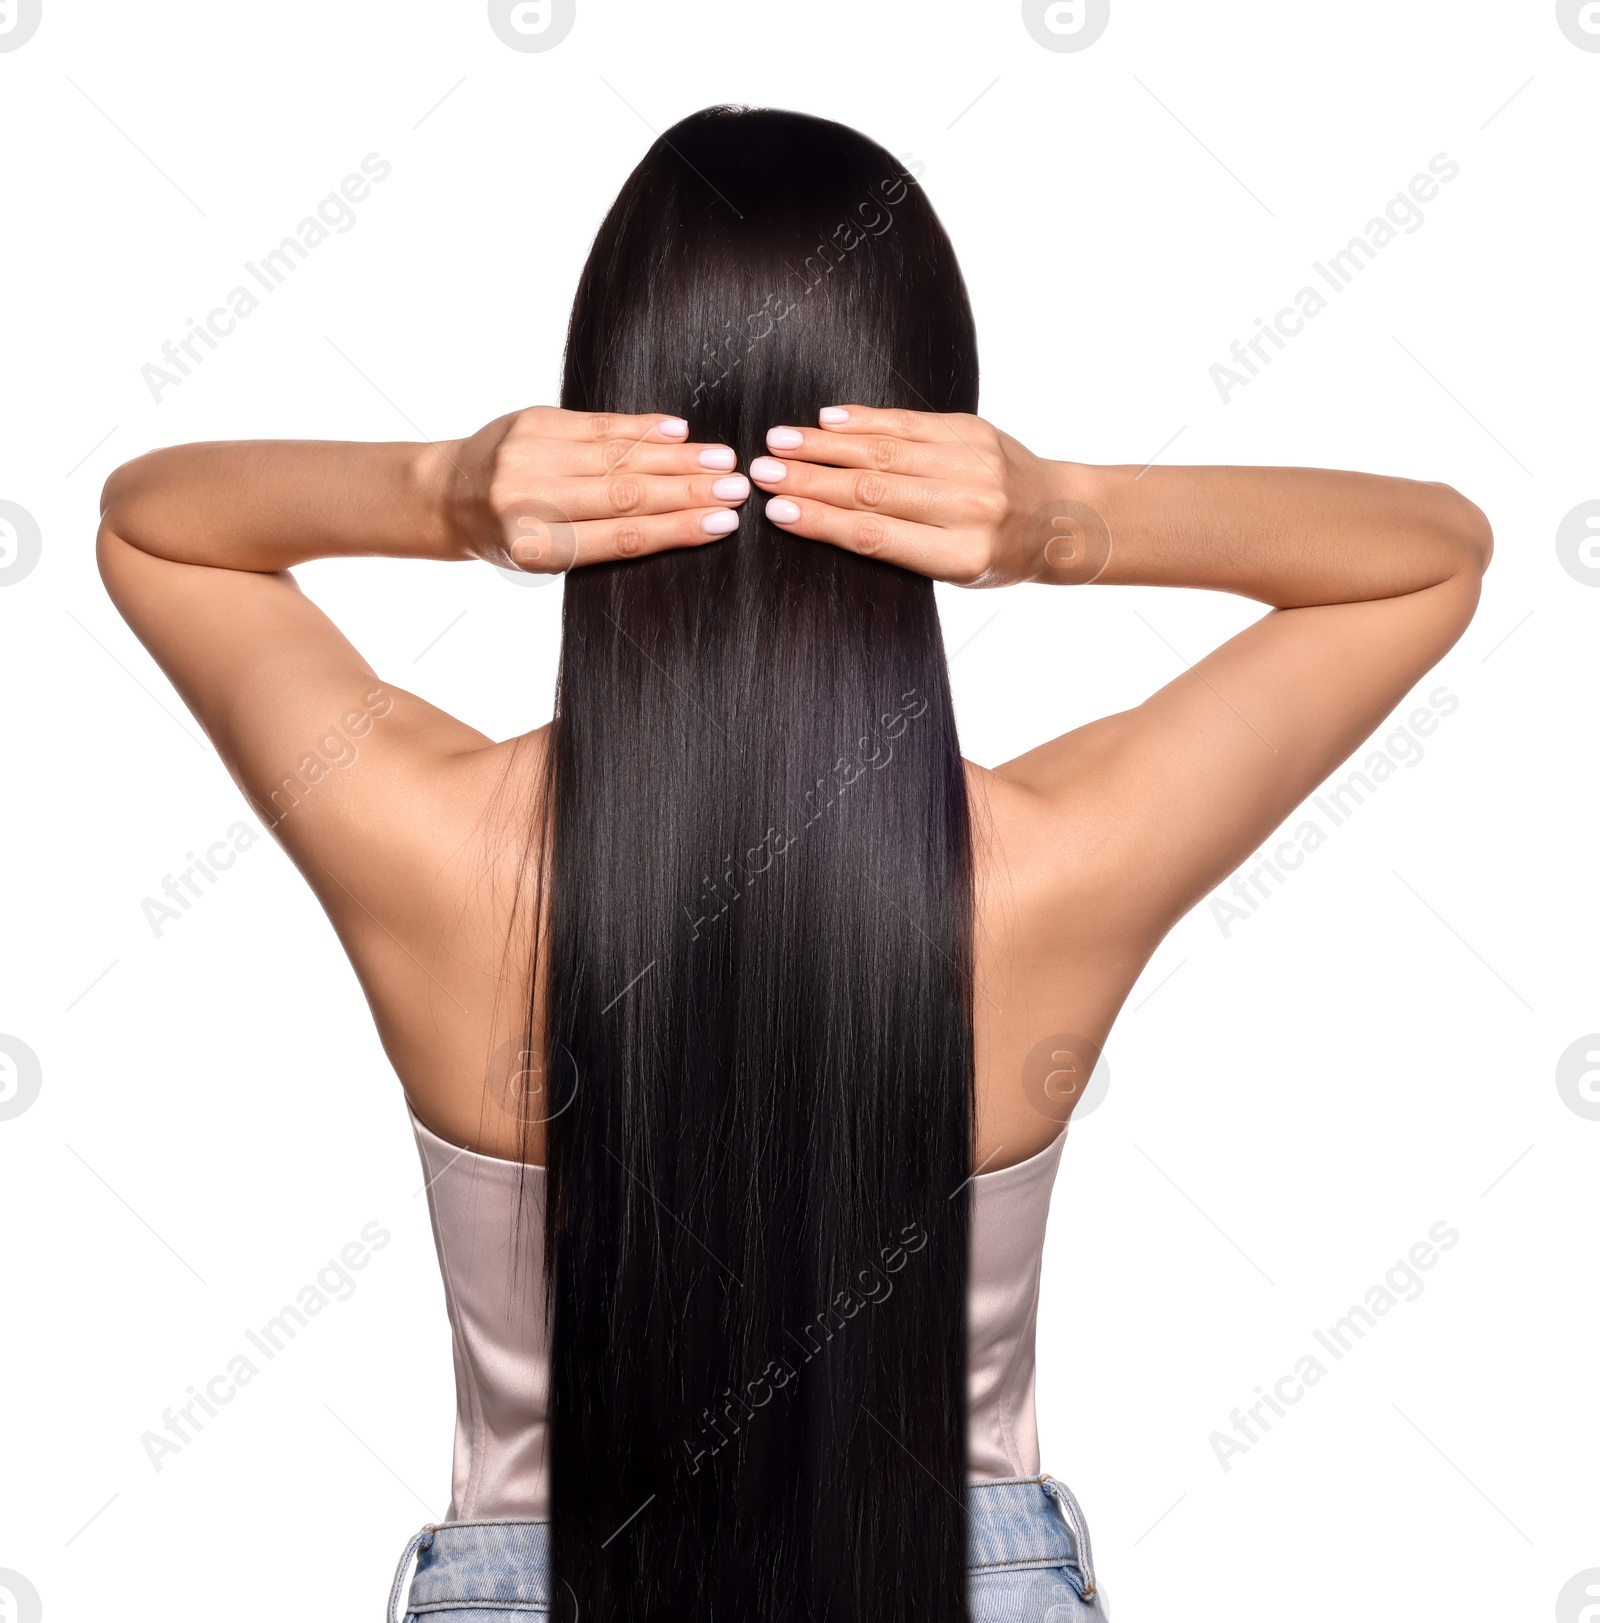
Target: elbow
1467,526
119,489
110,551
122,498
136,501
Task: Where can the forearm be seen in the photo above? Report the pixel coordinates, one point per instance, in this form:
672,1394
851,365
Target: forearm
266,505
1290,537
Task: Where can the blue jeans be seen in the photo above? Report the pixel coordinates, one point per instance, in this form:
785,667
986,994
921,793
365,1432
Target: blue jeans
1028,1561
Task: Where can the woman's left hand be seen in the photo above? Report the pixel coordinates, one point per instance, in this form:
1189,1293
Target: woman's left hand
946,495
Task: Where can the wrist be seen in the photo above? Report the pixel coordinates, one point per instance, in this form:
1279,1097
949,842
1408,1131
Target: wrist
438,492
1079,482
1067,538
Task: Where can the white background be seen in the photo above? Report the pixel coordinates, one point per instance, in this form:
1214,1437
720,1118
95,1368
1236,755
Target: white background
1293,1104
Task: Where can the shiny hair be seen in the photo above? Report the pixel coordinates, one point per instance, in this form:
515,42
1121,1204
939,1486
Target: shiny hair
759,912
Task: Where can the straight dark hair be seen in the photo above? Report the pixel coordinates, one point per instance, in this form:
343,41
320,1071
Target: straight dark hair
759,915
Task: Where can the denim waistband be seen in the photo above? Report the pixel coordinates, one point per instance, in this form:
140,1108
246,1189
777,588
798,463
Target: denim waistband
1014,1523
500,1564
1027,1522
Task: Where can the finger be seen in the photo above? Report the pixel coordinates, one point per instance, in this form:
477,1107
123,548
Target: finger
894,421
596,457
605,540
923,501
626,494
939,554
557,423
917,458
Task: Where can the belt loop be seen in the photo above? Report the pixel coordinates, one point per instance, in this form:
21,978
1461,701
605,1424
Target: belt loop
419,1541
1072,1514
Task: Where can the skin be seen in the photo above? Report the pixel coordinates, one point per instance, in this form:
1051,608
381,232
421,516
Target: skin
1091,846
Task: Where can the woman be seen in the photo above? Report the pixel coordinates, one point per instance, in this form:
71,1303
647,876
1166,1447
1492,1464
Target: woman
734,996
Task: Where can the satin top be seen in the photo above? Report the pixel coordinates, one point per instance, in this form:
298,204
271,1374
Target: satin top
502,1361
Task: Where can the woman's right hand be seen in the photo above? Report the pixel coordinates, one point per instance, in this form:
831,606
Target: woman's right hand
545,490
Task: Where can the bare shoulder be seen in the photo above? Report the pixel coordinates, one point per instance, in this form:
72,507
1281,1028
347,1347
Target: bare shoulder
1057,949
425,894
1056,829
458,817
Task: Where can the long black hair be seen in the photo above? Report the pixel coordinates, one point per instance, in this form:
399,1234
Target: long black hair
759,914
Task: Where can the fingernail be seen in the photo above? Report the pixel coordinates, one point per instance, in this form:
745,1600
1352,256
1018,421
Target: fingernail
732,489
830,416
674,428
782,511
785,439
768,469
723,523
718,456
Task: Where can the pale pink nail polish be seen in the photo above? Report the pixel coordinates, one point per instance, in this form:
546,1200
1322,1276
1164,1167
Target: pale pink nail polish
732,489
832,416
674,428
718,456
782,511
723,523
785,439
768,469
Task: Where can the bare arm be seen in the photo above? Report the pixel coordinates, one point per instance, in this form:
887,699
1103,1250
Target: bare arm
196,542
266,505
1289,537
605,486
1371,581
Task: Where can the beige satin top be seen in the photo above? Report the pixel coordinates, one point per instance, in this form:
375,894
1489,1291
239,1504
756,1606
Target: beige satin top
502,1362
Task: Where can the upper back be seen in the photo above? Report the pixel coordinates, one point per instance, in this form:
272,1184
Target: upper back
451,1002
